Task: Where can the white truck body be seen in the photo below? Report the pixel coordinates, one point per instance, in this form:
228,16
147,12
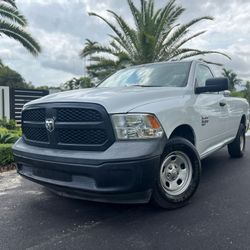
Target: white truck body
173,106
134,143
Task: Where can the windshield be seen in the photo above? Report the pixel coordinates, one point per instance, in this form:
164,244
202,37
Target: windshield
152,75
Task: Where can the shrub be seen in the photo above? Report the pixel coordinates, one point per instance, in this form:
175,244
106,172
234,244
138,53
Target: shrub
237,94
8,138
6,155
3,131
17,132
11,124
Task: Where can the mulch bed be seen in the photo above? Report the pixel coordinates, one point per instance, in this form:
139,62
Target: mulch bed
8,167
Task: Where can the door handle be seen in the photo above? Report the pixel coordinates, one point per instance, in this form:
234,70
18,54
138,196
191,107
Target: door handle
222,104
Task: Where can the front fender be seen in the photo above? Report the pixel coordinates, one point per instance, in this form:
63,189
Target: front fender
172,113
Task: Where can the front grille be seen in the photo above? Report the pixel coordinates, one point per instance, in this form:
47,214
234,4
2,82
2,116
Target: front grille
78,115
36,134
75,126
35,115
78,136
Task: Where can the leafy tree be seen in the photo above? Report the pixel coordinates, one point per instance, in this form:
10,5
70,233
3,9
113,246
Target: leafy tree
240,94
85,82
13,24
12,79
243,93
247,91
232,77
156,36
43,87
77,83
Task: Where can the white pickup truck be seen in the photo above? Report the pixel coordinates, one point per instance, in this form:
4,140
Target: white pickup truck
138,136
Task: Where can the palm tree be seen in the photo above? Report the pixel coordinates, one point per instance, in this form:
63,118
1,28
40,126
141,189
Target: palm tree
13,24
156,36
232,77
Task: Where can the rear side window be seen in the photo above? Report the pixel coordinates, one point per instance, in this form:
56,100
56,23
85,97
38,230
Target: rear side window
202,74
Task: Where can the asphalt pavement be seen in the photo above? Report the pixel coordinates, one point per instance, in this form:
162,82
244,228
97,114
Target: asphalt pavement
217,218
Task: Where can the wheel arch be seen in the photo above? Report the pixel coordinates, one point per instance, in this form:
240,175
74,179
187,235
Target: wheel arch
243,120
185,131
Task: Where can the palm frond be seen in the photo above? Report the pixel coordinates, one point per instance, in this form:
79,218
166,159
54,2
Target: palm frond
121,39
136,14
183,30
12,14
198,53
167,17
10,2
156,36
129,33
185,40
209,62
94,47
15,32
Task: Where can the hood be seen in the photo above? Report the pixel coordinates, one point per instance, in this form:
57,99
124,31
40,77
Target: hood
115,100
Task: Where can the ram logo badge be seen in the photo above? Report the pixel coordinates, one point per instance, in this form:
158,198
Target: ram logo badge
50,124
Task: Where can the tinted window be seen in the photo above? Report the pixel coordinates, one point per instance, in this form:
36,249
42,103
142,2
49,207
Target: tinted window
202,74
158,75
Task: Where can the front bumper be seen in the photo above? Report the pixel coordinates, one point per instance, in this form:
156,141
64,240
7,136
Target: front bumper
124,173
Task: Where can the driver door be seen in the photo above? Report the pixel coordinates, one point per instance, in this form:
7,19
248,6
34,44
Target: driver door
213,112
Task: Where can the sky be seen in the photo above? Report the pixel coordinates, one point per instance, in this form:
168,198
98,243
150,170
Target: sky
61,27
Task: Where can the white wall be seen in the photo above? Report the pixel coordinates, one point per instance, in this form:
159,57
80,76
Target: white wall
4,107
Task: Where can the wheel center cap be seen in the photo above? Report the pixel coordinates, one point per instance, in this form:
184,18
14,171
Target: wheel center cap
172,173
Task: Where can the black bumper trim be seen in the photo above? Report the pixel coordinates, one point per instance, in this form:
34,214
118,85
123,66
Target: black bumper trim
126,171
128,198
115,182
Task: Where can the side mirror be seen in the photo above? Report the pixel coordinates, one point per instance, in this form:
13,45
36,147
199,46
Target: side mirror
214,85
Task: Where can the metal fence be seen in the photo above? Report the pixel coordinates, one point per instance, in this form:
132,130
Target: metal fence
12,101
18,97
4,102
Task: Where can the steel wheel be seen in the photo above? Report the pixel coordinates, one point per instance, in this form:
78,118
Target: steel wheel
176,173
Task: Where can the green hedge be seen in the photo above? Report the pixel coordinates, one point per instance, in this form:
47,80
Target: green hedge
9,124
6,155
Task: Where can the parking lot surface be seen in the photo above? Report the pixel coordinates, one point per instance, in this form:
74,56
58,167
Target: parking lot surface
217,218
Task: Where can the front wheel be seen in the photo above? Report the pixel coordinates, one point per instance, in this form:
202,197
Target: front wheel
178,175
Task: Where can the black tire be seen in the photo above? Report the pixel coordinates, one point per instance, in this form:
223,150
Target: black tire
236,149
160,196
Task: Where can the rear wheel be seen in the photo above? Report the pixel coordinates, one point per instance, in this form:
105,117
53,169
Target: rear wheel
178,175
236,148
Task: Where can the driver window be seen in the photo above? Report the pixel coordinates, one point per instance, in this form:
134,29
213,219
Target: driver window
202,74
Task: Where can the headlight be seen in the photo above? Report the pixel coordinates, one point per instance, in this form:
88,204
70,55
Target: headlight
136,126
